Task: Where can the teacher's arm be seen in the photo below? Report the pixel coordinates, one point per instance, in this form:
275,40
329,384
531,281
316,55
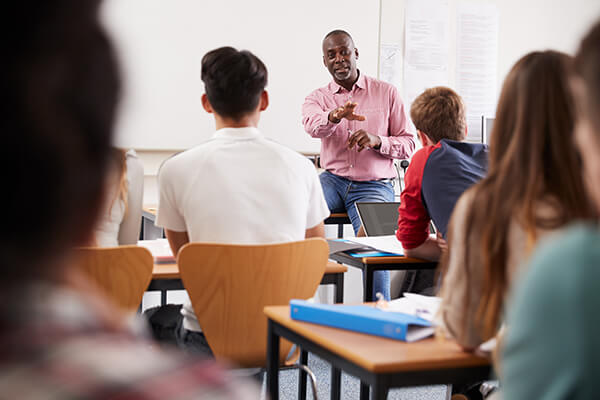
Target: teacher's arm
400,143
319,122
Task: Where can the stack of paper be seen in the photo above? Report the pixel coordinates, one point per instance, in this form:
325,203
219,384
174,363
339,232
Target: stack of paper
160,249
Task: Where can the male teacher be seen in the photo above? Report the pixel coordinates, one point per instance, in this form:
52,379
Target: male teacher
362,126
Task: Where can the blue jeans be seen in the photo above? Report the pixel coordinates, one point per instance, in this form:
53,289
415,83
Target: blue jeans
341,194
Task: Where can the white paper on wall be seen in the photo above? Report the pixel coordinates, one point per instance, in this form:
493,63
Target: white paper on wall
476,62
390,64
426,47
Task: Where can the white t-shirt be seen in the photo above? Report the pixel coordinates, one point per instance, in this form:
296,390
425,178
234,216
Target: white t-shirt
117,225
239,187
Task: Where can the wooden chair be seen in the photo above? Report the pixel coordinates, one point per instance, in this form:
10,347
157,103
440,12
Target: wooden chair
229,285
123,273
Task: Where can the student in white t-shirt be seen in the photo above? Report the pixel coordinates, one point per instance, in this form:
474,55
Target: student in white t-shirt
121,217
238,187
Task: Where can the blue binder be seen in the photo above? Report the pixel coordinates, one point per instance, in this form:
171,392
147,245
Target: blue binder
365,319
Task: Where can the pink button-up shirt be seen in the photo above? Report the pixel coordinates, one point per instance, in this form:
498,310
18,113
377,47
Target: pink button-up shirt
380,103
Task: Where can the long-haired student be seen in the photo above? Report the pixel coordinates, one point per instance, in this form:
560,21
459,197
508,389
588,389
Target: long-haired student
552,348
533,187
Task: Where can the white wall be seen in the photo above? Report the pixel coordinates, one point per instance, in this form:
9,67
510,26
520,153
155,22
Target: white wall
525,25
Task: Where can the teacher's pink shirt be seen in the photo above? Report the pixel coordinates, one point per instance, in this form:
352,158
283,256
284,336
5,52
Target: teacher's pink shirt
380,103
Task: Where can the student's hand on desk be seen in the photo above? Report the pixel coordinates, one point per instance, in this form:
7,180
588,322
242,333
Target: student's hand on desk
346,111
362,140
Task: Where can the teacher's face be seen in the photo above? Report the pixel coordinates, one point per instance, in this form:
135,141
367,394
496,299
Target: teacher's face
339,56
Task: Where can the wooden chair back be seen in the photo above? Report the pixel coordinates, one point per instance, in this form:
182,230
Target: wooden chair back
123,273
229,286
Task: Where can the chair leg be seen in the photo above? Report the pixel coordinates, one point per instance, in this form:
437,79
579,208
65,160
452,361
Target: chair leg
302,375
313,380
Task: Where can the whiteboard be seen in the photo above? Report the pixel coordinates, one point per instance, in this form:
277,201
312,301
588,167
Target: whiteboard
160,44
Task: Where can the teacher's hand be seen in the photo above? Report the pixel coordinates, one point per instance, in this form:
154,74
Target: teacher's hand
346,111
362,139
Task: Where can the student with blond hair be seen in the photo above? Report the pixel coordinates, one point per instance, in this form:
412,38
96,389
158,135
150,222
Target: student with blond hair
438,174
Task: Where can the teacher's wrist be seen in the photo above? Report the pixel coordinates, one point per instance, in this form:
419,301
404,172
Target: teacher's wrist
332,119
378,143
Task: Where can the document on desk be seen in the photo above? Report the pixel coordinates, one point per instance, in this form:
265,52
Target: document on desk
160,249
425,307
364,319
387,244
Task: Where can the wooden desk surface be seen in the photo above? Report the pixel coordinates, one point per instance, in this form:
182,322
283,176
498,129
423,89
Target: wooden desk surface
171,271
379,354
151,209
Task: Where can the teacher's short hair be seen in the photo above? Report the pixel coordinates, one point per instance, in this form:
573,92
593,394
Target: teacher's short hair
233,80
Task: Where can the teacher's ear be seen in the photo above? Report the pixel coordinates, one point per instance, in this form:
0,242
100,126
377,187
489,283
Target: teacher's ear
264,100
206,104
356,52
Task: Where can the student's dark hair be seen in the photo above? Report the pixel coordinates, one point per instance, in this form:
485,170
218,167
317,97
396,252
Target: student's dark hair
439,112
233,80
533,159
59,85
587,66
338,32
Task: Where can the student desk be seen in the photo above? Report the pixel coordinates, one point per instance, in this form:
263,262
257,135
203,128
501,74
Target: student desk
371,264
378,362
166,277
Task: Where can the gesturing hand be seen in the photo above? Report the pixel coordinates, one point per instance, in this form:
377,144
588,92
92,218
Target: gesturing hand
362,139
346,111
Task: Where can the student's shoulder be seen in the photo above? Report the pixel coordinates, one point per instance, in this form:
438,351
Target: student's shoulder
567,257
420,157
187,158
288,156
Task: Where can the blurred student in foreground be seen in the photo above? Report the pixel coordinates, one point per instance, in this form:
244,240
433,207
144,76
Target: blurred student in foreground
58,339
552,349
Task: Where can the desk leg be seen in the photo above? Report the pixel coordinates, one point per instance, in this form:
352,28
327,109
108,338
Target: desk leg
336,383
302,375
364,391
339,288
368,287
340,231
163,297
272,363
379,392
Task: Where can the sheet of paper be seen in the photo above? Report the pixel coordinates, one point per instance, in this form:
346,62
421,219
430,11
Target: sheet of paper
390,63
160,249
426,47
387,243
476,62
418,305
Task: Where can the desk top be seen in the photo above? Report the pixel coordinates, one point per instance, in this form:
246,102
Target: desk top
379,354
150,209
171,271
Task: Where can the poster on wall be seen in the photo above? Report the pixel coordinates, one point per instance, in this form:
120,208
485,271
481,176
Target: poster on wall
426,47
476,63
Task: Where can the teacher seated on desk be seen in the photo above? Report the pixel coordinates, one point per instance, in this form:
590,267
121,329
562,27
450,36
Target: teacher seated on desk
362,125
238,187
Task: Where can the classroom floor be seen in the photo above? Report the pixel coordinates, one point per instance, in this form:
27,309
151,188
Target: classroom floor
288,385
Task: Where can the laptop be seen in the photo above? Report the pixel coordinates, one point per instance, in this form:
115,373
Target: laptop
380,219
